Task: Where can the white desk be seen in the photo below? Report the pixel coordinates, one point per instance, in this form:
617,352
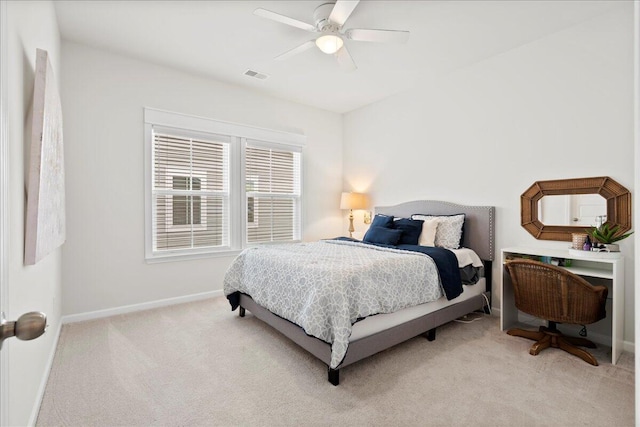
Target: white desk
609,270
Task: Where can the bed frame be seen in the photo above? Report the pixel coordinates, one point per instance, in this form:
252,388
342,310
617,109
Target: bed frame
479,235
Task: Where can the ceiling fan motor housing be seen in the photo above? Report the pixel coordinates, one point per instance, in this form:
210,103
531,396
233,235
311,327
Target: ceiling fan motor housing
321,18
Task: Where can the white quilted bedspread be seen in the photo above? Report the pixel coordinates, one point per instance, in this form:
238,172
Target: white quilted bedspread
326,286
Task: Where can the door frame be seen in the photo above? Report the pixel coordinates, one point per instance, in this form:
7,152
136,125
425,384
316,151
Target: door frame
4,208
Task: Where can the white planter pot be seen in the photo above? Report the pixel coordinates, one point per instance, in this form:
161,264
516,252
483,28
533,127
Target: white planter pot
612,247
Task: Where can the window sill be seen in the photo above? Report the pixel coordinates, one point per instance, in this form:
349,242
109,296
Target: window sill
172,257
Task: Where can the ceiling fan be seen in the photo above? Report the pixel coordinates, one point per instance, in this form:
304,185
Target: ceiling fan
329,18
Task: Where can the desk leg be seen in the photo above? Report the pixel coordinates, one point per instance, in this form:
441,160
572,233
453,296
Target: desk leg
508,310
617,315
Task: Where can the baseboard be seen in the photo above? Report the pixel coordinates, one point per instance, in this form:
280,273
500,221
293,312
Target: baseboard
91,315
45,378
629,346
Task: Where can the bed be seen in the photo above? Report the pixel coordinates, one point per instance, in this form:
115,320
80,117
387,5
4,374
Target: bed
374,333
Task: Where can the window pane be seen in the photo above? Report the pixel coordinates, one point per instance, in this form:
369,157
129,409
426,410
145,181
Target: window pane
272,182
196,171
273,171
180,210
208,228
206,161
277,221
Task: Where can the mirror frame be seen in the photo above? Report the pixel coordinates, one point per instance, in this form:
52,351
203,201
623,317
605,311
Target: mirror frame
618,205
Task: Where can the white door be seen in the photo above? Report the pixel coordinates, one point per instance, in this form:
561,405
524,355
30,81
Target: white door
586,208
29,325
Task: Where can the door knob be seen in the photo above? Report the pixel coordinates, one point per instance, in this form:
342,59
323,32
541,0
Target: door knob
28,326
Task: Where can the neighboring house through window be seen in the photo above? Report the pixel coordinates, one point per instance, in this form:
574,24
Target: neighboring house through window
186,210
251,184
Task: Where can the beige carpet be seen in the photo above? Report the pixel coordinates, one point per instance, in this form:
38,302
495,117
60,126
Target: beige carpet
200,364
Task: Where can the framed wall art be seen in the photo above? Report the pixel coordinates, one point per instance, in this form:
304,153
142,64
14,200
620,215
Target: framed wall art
45,219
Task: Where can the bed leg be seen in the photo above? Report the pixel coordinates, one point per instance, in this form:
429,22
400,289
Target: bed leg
430,334
486,309
241,312
334,376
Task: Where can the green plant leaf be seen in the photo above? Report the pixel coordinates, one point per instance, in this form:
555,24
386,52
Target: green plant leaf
607,234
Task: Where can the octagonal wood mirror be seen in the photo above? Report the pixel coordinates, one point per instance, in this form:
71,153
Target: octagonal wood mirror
551,219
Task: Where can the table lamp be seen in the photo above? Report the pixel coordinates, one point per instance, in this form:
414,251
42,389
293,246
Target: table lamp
353,201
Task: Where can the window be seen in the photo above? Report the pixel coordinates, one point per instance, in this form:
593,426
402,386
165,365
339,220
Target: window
273,193
216,187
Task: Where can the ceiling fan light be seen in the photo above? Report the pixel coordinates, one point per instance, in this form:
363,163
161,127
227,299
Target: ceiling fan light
329,43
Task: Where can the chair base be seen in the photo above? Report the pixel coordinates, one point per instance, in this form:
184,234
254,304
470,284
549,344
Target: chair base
551,337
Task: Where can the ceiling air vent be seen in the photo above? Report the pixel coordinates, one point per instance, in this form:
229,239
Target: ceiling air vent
255,74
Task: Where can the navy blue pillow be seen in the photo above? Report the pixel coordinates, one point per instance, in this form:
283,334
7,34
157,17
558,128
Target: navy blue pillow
385,236
385,221
411,229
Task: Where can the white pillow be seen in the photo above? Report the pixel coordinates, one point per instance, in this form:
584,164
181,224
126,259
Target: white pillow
429,229
449,231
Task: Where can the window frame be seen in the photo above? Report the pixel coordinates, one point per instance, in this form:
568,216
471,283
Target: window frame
238,135
151,192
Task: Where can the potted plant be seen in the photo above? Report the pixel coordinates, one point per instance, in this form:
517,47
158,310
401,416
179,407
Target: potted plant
607,235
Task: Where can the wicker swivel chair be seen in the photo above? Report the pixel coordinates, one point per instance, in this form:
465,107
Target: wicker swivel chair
558,296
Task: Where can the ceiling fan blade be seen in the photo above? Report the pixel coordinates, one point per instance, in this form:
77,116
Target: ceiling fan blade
296,50
341,11
380,36
344,60
284,19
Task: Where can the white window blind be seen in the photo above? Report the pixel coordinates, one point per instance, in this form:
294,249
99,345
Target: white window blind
190,191
273,193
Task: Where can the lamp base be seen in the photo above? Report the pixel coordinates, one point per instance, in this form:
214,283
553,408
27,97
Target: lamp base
351,228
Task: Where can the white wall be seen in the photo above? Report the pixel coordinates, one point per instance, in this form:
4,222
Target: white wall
103,99
558,107
31,25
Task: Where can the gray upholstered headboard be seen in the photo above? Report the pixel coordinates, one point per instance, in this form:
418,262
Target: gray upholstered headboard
479,230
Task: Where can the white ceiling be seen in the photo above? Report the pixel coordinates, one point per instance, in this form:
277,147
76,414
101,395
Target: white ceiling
222,39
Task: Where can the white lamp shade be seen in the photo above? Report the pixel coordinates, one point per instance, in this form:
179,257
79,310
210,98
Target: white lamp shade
329,43
354,201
